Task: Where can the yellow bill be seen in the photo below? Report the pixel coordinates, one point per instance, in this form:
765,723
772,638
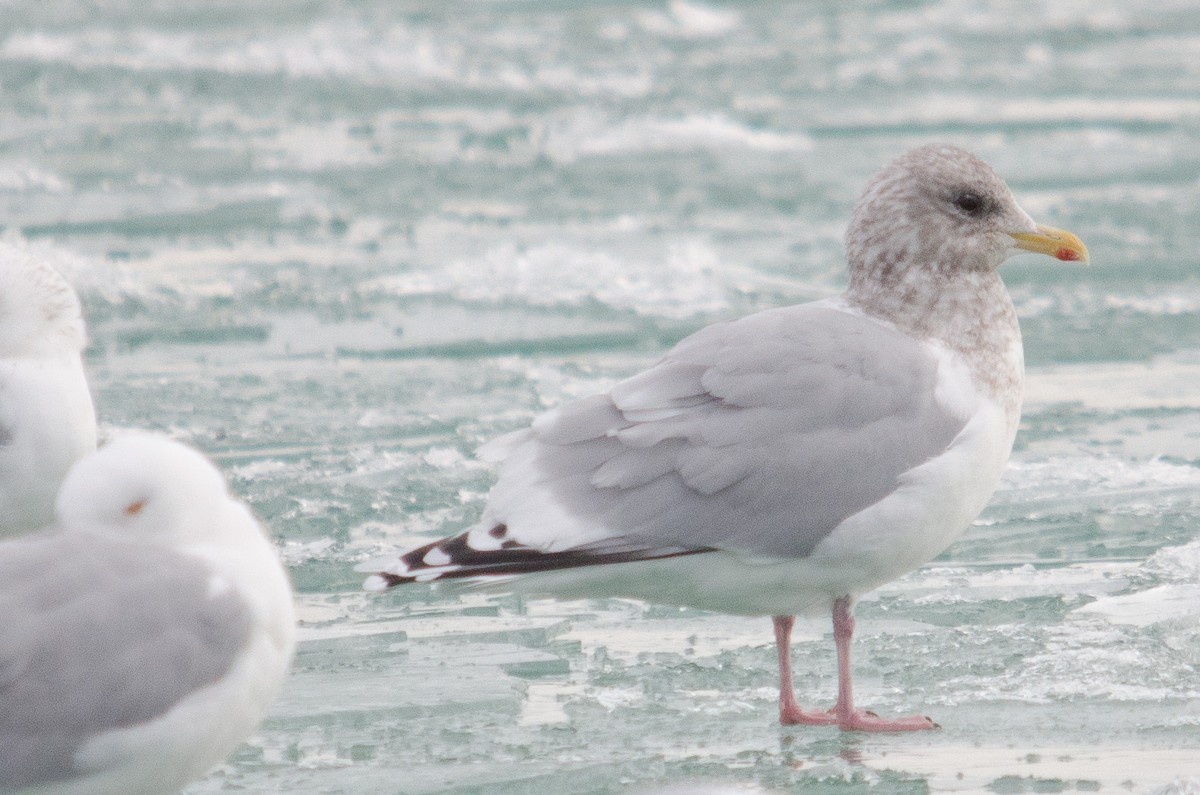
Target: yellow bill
1057,243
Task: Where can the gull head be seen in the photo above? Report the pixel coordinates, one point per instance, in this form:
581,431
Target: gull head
940,208
146,488
39,312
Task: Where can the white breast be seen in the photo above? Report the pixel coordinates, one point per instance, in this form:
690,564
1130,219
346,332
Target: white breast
936,501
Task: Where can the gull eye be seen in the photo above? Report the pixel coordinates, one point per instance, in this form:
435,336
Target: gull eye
970,203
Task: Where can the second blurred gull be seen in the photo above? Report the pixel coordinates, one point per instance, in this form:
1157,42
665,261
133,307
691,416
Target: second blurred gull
47,421
144,634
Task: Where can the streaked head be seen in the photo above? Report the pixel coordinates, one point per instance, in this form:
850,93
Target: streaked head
941,207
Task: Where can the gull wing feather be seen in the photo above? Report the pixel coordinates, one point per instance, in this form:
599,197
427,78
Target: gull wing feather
759,436
798,418
84,649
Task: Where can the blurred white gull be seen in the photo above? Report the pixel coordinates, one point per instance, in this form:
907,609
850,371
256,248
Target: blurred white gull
47,421
144,635
793,459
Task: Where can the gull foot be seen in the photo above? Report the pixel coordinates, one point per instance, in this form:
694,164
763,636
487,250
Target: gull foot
792,716
864,721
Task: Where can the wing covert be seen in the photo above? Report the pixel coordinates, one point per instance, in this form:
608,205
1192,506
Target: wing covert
797,418
97,639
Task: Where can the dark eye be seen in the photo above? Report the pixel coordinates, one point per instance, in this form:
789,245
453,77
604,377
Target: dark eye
970,203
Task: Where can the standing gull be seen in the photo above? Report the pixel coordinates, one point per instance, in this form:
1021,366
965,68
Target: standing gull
143,636
794,459
47,421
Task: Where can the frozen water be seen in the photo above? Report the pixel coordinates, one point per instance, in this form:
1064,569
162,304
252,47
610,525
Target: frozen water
340,245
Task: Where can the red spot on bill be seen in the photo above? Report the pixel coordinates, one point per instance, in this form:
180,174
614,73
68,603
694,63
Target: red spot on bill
1067,254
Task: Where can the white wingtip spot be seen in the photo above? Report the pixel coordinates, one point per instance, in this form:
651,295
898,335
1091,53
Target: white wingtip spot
436,557
481,540
375,583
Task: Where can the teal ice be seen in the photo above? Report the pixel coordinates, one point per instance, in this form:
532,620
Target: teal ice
339,245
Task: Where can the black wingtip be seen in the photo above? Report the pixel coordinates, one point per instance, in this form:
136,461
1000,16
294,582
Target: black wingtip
457,559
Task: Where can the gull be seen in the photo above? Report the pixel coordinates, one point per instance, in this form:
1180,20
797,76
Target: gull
794,459
144,634
47,421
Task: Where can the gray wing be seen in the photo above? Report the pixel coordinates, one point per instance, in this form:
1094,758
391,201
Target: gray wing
759,435
98,635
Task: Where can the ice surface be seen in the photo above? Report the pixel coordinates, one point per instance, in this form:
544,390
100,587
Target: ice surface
339,246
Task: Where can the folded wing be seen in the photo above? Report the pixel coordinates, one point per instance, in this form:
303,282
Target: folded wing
98,636
759,436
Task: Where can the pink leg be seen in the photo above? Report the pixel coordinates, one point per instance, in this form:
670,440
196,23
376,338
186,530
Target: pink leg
790,712
843,714
849,718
